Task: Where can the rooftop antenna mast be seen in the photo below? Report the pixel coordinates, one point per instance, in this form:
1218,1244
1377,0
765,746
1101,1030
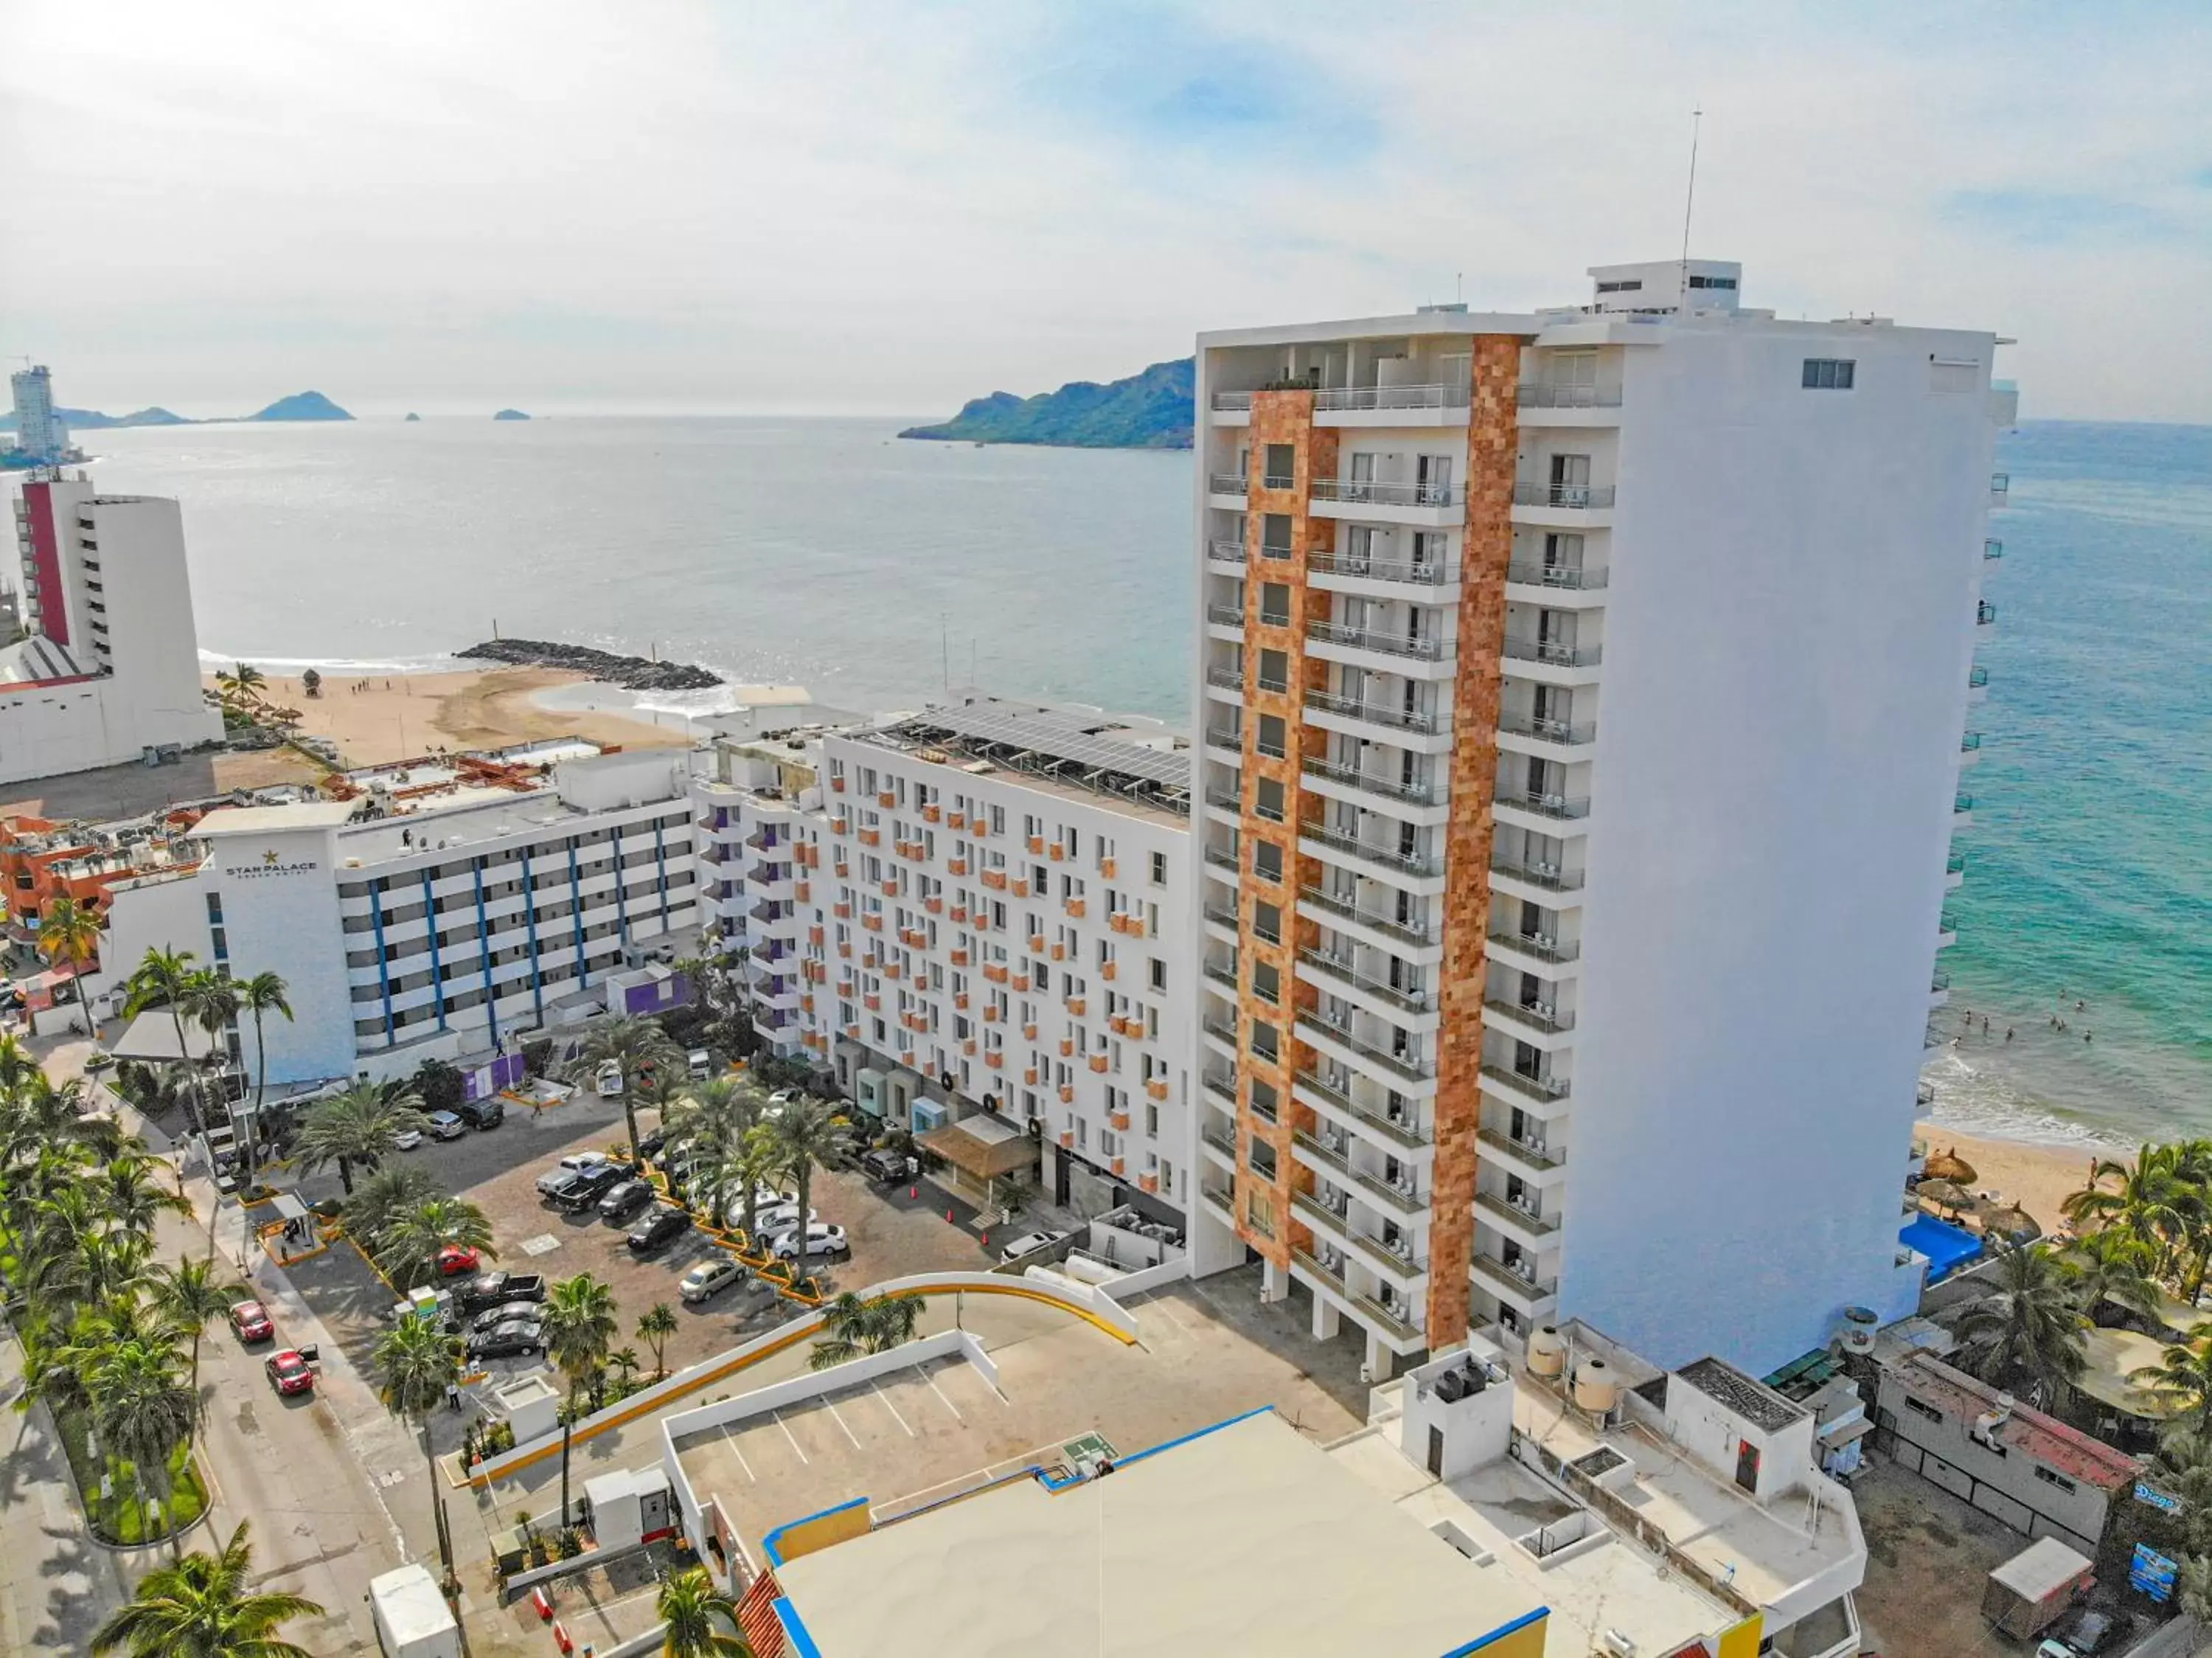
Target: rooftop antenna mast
1690,200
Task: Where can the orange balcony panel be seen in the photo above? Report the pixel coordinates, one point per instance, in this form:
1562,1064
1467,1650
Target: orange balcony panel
1060,952
891,887
803,891
1076,1005
1037,946
959,958
907,1058
1066,1047
996,1061
995,972
1107,868
1157,1087
994,879
1067,1136
806,1002
1059,852
960,913
955,820
817,936
1075,907
1029,1076
892,970
978,828
960,1000
845,950
843,910
872,1002
1107,969
887,798
872,838
1019,981
874,924
841,826
1030,1031
1148,1183
1098,1063
846,987
853,1030
1119,1119
932,814
1020,887
1117,1166
844,870
837,785
934,906
1037,843
968,1047
991,1016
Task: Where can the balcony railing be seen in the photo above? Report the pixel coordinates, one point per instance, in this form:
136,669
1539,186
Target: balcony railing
1962,804
1955,864
1497,1206
1225,553
1984,613
1534,1016
1227,799
1408,1067
1225,977
1339,970
1342,399
1312,1264
1225,484
1545,1089
1534,1156
1432,573
1421,793
1358,492
1225,615
1539,945
1969,742
1553,652
1221,917
1399,719
1992,549
1559,731
1216,1028
2000,483
1394,1323
1416,937
1567,397
1376,1191
1564,807
1221,737
1394,644
1978,679
1222,858
1228,679
1222,1084
1498,1272
1232,402
1578,497
1412,863
1410,1135
1549,876
1566,577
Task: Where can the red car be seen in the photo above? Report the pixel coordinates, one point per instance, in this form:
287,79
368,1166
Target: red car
252,1321
288,1373
456,1259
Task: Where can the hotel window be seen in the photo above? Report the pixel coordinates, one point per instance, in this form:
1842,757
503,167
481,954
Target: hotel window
1282,466
1266,982
1275,604
1275,534
1275,670
1157,974
1268,800
1273,737
1827,374
1267,923
1268,861
1159,869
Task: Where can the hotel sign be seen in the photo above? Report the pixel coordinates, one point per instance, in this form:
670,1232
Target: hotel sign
272,863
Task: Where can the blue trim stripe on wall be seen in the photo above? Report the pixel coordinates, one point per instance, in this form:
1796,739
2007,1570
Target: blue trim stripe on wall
383,955
437,970
530,928
484,953
794,1627
576,910
1500,1632
622,902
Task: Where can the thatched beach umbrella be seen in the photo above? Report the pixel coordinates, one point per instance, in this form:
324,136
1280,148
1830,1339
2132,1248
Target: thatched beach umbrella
2011,1221
1950,1166
1947,1194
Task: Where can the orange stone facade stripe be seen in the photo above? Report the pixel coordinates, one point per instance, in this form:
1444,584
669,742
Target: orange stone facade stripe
1492,439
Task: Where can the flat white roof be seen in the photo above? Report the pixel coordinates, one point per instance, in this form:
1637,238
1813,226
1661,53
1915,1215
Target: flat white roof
411,1606
1411,324
2041,1569
1189,1548
275,820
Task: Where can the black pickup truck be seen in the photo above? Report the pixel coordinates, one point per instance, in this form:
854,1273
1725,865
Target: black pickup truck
492,1289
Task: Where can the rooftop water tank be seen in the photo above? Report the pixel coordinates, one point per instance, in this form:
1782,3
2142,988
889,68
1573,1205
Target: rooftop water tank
1596,1391
1547,1354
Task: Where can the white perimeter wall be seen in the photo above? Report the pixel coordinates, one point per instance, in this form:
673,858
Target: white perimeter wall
1788,633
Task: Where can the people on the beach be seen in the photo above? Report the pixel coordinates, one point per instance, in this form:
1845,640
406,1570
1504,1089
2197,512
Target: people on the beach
2008,1033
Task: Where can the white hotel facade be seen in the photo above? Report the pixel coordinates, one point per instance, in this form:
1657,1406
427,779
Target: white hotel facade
1584,701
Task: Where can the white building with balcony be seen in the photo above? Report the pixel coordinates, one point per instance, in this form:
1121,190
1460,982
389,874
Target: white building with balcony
1583,697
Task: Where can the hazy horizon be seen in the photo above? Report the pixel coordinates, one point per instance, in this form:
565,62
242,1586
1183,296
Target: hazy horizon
885,211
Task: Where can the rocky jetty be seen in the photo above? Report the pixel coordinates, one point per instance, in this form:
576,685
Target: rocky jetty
631,673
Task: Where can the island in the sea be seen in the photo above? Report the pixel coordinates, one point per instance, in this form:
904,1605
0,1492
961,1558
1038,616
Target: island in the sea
411,416
1149,411
510,414
302,405
631,673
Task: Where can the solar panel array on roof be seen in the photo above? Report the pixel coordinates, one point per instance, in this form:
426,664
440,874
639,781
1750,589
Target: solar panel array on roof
1057,738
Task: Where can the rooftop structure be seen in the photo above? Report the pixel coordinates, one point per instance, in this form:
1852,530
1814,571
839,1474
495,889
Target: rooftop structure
1574,837
40,432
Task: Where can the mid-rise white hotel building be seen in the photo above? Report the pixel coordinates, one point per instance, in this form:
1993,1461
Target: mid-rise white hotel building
1584,699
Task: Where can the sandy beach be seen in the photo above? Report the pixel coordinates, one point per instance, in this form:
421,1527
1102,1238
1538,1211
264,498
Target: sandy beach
2040,1179
399,715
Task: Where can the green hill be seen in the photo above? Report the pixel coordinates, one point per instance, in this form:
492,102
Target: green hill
302,405
1149,411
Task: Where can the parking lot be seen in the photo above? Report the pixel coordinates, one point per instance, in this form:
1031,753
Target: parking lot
890,1232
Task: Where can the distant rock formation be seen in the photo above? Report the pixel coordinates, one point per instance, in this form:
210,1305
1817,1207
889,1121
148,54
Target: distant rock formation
1149,411
91,420
302,405
510,414
631,673
414,417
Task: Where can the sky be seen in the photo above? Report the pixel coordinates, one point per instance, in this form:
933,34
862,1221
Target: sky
855,208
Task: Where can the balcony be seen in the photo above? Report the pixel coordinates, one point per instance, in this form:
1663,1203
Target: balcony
1312,1264
1992,549
1970,743
1224,738
1406,1068
2000,488
1552,652
1410,1136
1559,577
1222,858
1225,976
1225,483
1430,574
1978,679
1567,397
1373,1251
1414,864
1225,615
1984,613
1540,946
1496,1275
1222,1085
1225,553
1552,731
1564,497
1421,793
1339,971
1354,399
1388,645
1395,719
1415,937
1513,1215
1549,877
1221,1140
1535,1017
1357,492
1544,1090
1392,1323
1400,1201
1533,1155
1560,808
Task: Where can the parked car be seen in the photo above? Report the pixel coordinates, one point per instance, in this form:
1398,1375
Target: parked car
889,1167
699,1062
491,1288
505,1313
407,1139
775,1219
482,1114
456,1258
507,1339
583,1188
289,1372
574,1163
444,1125
709,1279
624,1199
1030,1242
608,1080
658,1228
251,1322
650,1143
2083,1633
822,1239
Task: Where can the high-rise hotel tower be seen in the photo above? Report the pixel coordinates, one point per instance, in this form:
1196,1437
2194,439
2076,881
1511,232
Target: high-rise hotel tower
1584,698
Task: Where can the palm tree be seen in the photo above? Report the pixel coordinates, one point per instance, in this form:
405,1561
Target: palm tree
712,1119
853,1326
2150,1201
407,1244
2027,1336
126,1189
161,979
416,1362
2185,1371
201,1607
655,1326
700,1621
143,1410
636,1046
362,1125
2114,1265
263,994
804,1138
68,933
186,1296
579,1327
624,1360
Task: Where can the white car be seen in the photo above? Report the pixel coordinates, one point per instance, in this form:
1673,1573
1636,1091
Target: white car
581,1162
774,1222
444,1125
710,1278
608,1080
1028,1243
822,1239
407,1139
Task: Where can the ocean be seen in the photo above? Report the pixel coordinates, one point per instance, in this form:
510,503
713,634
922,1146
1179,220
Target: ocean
829,554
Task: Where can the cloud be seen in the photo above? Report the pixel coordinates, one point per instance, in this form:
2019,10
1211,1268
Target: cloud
2046,219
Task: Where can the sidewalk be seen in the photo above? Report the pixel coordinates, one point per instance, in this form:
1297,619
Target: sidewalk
56,1585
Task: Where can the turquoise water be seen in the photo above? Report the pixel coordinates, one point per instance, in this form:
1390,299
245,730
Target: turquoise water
2089,867
823,551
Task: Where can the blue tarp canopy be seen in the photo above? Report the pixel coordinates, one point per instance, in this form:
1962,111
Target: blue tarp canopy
1947,1246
